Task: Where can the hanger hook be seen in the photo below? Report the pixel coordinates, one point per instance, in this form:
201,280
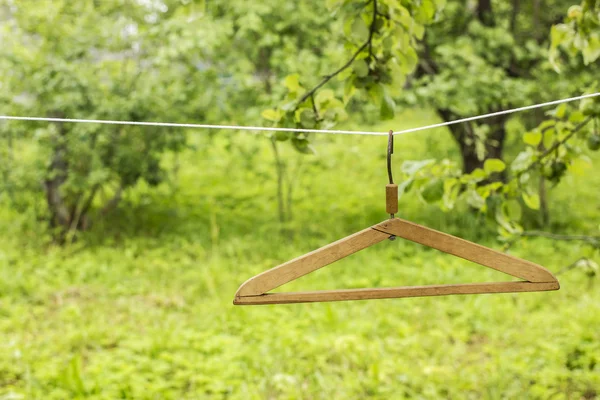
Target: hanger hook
390,151
391,190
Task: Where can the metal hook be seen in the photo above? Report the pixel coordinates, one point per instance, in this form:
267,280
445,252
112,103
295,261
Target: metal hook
390,151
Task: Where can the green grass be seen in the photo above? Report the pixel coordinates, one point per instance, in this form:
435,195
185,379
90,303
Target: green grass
141,308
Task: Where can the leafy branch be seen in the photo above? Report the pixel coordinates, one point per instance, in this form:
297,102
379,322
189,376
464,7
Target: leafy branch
555,146
593,240
587,264
389,18
366,44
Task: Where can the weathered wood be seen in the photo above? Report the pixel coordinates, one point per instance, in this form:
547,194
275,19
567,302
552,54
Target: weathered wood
310,262
464,249
254,290
395,292
391,198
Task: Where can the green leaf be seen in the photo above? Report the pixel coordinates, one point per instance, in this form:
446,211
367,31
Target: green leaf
344,75
388,107
271,115
532,138
546,124
418,30
303,146
532,200
336,114
307,118
425,12
361,68
388,43
376,93
349,90
475,200
410,168
408,59
578,166
523,160
591,51
512,210
433,191
451,191
360,31
559,35
561,111
476,176
289,106
507,228
404,186
549,138
576,117
324,95
292,82
587,106
493,165
282,136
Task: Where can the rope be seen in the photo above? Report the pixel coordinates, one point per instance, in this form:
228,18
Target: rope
494,114
296,130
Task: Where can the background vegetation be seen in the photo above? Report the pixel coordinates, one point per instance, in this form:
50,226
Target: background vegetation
121,248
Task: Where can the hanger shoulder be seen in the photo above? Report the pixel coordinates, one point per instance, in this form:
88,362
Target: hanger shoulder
395,292
310,262
468,250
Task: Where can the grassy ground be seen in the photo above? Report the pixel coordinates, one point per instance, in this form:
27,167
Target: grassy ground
142,308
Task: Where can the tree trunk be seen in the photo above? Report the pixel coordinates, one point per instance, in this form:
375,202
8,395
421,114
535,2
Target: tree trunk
485,13
494,146
280,169
57,175
71,215
467,141
544,210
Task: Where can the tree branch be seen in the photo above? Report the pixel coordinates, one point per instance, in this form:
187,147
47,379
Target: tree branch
279,167
57,175
485,13
89,200
314,107
593,240
372,30
427,67
513,16
332,75
572,266
327,78
388,18
555,146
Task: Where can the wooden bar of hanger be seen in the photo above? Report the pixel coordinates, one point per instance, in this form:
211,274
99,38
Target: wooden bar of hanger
534,277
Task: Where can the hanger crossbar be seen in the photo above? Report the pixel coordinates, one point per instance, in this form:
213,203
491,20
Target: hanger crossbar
394,292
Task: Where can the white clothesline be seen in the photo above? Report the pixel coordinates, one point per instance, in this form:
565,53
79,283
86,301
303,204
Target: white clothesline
296,130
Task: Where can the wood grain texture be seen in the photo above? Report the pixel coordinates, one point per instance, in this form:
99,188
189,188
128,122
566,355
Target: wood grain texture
464,249
310,262
391,198
254,290
398,292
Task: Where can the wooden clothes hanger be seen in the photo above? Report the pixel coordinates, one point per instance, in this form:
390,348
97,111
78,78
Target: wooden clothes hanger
534,277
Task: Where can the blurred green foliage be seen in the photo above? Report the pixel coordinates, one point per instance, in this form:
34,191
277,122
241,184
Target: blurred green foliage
141,306
578,35
102,61
138,306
